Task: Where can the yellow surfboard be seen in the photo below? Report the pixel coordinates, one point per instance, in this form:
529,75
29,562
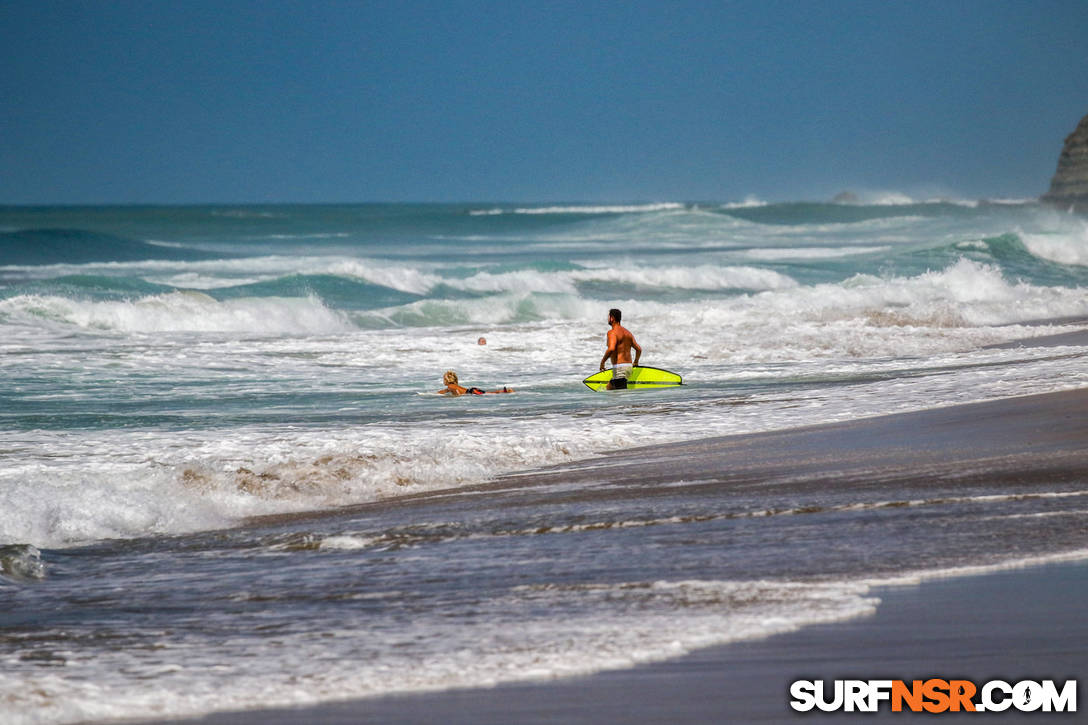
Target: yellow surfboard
640,379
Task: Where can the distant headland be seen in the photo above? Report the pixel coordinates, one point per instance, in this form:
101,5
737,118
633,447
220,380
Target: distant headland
1069,187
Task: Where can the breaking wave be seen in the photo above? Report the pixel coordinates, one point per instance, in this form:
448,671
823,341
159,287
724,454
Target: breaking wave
580,209
183,311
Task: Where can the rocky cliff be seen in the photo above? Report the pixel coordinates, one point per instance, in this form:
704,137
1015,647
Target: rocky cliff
1069,187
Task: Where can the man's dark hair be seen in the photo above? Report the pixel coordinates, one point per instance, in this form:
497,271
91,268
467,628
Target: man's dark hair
616,314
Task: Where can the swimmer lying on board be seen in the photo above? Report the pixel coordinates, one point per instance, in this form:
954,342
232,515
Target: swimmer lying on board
452,388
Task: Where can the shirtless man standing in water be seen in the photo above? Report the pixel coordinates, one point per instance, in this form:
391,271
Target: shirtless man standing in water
620,342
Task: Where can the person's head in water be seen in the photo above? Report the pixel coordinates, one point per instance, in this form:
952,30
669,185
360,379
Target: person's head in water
614,315
450,378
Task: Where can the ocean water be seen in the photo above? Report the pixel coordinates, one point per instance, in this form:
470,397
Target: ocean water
179,385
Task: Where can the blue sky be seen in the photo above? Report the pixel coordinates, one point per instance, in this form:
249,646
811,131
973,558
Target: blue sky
273,101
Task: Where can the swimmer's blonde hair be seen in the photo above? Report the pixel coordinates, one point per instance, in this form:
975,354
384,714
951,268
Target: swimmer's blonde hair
450,377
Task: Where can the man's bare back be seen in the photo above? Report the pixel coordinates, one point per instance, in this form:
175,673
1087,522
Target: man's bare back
620,342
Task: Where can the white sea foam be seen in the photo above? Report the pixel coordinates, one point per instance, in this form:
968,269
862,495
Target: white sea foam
522,280
498,309
1069,246
203,281
582,209
962,307
1013,201
120,484
749,202
266,267
543,334
402,277
529,294
183,311
21,562
346,542
884,197
536,632
220,273
102,502
532,632
920,576
701,277
68,487
881,198
780,253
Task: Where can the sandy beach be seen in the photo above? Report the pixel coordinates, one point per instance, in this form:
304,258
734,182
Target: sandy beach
1023,622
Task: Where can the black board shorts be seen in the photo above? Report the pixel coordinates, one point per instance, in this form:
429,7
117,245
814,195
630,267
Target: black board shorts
619,383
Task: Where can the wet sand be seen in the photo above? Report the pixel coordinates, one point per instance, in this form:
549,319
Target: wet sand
1018,624
1011,625
1039,440
1077,338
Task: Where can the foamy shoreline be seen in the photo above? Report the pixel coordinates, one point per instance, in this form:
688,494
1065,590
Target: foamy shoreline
1017,624
1011,619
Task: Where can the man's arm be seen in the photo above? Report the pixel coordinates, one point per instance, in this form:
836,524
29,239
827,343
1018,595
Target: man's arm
638,350
611,348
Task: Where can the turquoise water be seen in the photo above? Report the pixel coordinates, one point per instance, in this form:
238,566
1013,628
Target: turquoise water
168,373
194,341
